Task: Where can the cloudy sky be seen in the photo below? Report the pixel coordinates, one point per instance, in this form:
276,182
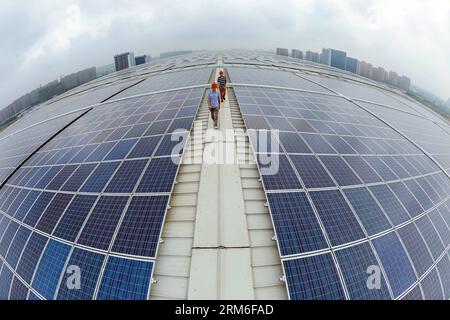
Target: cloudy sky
44,39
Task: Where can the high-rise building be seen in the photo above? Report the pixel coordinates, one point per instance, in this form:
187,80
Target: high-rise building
351,64
404,83
334,58
379,74
124,61
365,69
393,78
283,52
297,54
325,57
143,59
312,56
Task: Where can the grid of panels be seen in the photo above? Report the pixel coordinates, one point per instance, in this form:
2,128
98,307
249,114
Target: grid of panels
19,146
84,96
271,77
433,137
358,178
167,81
101,190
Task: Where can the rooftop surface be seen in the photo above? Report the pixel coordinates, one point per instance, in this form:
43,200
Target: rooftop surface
125,178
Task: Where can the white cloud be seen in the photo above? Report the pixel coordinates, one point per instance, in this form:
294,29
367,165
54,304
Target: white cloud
51,38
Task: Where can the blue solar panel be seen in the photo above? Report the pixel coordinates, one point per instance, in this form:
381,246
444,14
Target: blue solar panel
159,175
341,172
415,294
19,290
8,237
256,122
441,227
265,141
430,236
121,150
425,185
292,143
17,202
419,194
300,125
295,223
396,167
17,246
338,219
395,263
102,222
139,232
100,177
126,177
61,178
278,174
392,207
145,147
50,268
381,168
125,279
431,286
45,180
89,264
6,278
406,198
416,248
313,278
444,272
339,144
355,262
30,256
101,151
54,212
312,172
368,211
362,169
78,178
172,145
70,224
318,144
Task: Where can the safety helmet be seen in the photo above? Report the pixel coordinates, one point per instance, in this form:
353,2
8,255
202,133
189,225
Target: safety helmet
214,85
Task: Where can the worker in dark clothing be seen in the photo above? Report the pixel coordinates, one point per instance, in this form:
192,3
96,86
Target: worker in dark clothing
222,80
214,104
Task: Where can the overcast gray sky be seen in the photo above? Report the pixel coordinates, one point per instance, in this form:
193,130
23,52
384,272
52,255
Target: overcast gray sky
44,39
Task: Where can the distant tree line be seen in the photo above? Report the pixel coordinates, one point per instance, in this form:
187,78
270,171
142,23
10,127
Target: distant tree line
47,92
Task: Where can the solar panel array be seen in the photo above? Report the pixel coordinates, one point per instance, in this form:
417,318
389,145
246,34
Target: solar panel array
67,104
432,137
168,81
347,193
17,147
271,77
95,197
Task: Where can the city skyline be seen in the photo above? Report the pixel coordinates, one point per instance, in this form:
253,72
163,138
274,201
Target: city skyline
74,35
340,60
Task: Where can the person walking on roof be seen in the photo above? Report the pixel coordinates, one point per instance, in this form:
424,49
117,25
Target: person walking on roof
214,103
222,80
